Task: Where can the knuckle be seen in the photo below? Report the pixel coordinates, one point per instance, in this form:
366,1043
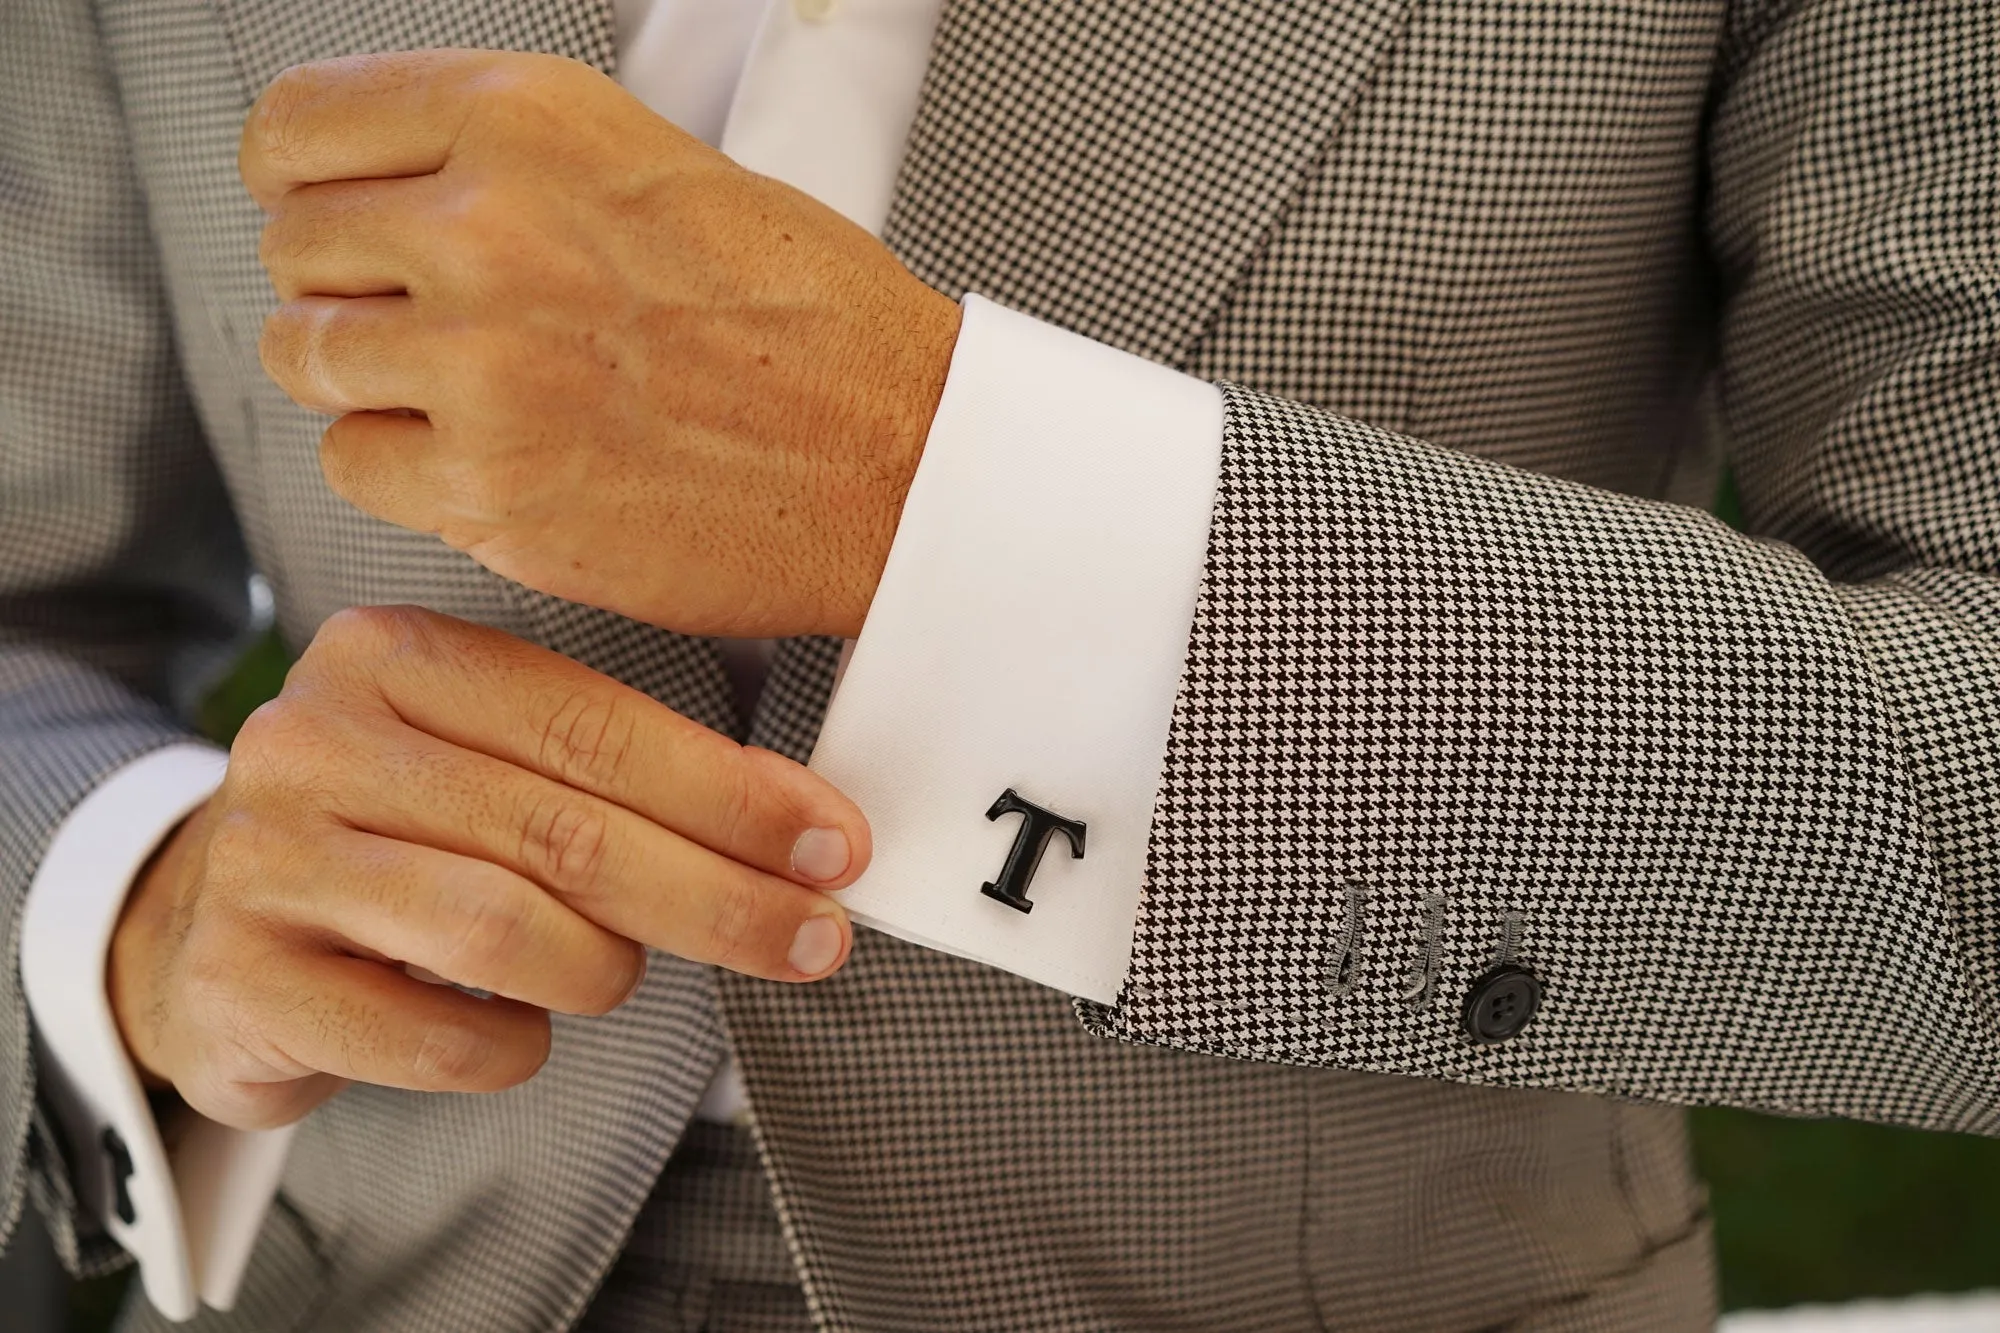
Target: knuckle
235,844
491,936
479,487
273,728
586,737
763,809
526,91
239,1047
374,634
268,758
213,993
289,755
303,754
299,234
453,1054
354,631
565,841
468,1055
463,223
207,988
256,736
282,344
765,802
731,923
483,241
273,127
741,799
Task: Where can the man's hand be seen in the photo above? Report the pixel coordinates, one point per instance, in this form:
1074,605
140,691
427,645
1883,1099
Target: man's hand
431,793
582,347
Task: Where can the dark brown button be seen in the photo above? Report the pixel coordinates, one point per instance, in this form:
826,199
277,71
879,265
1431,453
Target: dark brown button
1500,1004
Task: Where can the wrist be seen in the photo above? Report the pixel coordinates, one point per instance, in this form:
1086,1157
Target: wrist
132,964
916,376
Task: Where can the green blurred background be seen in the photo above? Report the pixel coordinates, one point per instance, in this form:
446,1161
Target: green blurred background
1805,1210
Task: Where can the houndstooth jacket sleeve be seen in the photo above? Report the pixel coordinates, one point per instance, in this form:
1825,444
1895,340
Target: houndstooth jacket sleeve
122,578
1732,799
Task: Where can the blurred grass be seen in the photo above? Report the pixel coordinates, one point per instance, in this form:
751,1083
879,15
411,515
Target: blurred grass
257,677
1828,1210
1805,1210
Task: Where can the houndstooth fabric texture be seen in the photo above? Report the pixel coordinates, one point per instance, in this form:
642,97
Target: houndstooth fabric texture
706,1254
1731,799
1725,796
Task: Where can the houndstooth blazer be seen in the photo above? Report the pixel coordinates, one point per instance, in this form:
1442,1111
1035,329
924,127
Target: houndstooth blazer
1490,282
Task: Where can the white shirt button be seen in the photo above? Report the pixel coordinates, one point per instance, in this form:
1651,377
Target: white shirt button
814,11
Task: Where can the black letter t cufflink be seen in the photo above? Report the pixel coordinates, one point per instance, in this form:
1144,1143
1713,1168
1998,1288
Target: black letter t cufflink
1037,826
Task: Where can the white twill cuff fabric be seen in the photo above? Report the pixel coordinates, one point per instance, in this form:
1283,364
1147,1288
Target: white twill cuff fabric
1028,634
196,1209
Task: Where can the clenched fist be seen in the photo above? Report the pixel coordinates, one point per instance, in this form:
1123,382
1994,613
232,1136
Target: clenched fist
587,350
432,794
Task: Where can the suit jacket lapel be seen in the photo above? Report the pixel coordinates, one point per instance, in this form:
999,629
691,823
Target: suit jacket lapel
1109,165
270,35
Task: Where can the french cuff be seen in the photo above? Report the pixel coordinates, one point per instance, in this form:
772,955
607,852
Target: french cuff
1003,717
190,1214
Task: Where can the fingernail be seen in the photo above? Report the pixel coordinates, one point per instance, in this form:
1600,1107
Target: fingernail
816,946
821,854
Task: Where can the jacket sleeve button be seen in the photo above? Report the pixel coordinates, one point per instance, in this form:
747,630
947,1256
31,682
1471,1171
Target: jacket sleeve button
1500,1004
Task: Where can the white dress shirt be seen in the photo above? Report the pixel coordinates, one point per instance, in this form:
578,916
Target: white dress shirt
1028,633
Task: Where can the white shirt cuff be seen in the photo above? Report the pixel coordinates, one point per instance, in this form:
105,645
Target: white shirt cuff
1028,635
191,1214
